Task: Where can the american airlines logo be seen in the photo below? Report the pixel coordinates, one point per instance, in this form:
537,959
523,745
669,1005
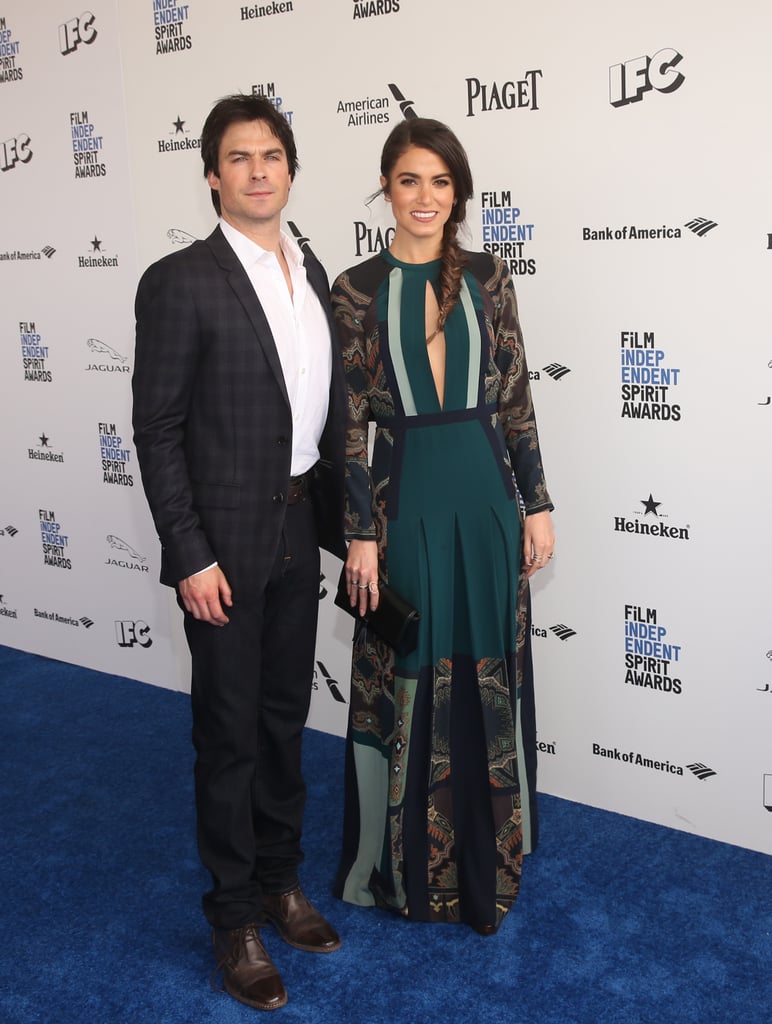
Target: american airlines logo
332,684
405,106
301,239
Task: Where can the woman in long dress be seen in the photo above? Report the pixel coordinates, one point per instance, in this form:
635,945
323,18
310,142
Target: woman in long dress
453,513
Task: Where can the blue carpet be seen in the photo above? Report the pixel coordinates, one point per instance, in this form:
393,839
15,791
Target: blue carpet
618,920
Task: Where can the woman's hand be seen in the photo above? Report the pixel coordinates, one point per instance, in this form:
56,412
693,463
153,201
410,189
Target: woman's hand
362,575
538,542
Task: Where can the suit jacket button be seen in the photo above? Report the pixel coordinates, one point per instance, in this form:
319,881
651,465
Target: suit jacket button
278,498
282,439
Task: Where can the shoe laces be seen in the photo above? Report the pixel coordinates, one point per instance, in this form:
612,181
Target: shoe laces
236,951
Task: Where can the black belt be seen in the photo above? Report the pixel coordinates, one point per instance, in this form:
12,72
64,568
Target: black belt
298,488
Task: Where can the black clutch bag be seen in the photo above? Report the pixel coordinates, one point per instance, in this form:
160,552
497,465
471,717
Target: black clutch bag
394,620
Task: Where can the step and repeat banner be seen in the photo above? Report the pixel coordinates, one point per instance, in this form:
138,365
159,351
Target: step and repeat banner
622,161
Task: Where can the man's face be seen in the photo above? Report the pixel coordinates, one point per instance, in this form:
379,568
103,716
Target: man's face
254,179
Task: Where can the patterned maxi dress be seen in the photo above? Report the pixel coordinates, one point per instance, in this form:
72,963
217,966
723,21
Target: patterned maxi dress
441,747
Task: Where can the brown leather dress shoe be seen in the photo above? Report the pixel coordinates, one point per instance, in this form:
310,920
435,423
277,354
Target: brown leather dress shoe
299,923
248,972
485,929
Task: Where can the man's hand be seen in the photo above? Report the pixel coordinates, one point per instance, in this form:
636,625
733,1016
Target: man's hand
205,594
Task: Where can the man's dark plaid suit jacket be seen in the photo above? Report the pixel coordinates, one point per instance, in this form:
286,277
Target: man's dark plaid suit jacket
212,421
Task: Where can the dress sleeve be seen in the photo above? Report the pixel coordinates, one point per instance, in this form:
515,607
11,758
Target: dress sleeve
515,403
349,309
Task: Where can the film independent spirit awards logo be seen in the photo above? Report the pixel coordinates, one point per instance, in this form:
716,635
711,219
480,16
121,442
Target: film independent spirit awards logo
374,8
268,91
649,652
11,69
34,353
647,382
170,27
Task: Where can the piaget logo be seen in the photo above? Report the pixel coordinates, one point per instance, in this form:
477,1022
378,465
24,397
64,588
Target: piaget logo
519,94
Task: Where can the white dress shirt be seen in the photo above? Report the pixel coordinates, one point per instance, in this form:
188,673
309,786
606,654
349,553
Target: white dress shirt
302,335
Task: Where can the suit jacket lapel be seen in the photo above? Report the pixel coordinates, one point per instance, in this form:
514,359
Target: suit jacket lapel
242,287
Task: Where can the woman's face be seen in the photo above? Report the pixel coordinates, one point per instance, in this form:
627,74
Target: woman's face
421,193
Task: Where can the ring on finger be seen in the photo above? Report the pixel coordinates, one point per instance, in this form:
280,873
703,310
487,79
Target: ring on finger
372,587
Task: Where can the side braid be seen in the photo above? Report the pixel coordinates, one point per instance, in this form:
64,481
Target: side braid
453,261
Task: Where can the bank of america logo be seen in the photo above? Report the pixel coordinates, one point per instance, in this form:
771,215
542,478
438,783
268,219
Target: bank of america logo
48,251
701,770
562,632
86,621
701,225
10,530
556,370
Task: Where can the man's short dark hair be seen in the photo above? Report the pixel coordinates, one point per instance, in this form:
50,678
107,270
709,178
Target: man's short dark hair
238,108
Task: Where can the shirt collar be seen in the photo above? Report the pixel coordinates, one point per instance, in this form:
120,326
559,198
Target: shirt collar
250,252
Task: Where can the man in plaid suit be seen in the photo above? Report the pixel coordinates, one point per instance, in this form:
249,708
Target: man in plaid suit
239,429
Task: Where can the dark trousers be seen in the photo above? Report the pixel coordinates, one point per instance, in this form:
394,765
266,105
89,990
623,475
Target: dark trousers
251,690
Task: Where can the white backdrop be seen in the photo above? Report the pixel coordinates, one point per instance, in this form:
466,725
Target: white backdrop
622,161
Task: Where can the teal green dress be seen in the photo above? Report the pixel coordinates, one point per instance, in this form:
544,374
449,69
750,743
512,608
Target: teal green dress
441,756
